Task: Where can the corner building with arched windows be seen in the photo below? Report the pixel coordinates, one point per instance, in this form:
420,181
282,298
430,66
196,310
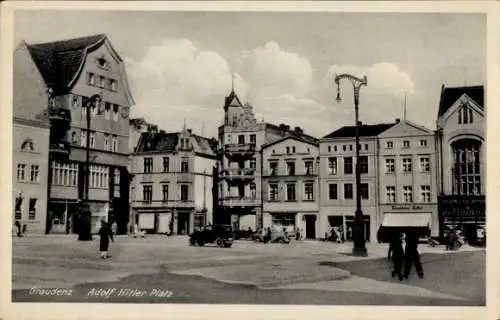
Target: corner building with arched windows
461,148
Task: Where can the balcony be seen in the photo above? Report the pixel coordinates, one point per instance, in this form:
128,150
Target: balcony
59,151
281,173
60,118
238,175
236,201
161,204
236,152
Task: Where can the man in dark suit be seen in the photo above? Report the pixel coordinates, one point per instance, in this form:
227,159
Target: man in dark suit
396,247
412,256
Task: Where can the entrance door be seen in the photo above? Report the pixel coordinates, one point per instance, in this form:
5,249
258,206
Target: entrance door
183,223
310,226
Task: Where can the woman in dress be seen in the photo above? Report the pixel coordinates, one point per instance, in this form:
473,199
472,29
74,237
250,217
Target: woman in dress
105,235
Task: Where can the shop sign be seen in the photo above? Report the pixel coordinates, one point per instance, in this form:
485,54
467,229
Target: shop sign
407,208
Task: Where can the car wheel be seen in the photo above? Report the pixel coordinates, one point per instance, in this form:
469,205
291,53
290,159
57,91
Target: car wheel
201,243
192,241
220,242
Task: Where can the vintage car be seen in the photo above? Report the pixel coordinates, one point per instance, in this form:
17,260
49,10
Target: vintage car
222,235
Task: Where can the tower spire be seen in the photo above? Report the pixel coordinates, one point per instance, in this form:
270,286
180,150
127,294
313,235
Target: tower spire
404,109
233,76
184,125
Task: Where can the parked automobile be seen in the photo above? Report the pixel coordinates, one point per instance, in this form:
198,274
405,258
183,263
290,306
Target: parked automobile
222,235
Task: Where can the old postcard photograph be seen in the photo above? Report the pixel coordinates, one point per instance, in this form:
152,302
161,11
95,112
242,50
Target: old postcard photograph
259,155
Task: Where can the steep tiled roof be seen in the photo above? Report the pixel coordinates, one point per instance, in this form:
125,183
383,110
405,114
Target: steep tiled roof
205,145
163,142
229,99
60,61
365,130
449,95
286,131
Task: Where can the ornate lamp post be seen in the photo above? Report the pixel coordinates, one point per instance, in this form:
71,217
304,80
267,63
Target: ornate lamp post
358,230
85,214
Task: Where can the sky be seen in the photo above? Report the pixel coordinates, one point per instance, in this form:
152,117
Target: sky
180,65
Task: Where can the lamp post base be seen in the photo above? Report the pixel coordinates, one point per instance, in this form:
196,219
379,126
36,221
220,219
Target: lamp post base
85,233
359,252
359,248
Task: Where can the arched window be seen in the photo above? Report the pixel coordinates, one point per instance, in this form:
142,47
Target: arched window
467,167
28,145
465,114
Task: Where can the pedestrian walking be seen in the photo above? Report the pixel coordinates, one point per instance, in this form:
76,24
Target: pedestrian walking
398,255
105,235
412,256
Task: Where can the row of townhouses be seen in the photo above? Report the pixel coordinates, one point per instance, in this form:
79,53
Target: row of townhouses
254,175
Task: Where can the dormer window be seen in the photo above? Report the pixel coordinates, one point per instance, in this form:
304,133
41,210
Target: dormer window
28,145
103,63
75,101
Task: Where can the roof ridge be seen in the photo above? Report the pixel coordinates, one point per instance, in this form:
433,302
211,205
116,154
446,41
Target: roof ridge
100,35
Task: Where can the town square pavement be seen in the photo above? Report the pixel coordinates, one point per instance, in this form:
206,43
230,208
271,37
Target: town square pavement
159,269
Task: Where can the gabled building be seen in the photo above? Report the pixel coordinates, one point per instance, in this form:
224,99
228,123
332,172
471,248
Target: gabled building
173,181
408,164
240,139
55,79
290,185
462,160
337,178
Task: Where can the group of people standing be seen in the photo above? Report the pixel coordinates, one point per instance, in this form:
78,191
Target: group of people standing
403,250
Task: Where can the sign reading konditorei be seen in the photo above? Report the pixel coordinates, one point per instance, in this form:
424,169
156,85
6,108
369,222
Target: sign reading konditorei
407,208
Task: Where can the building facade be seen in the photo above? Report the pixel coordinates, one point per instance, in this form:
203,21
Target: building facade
338,180
290,185
30,151
57,78
408,177
241,138
173,181
461,145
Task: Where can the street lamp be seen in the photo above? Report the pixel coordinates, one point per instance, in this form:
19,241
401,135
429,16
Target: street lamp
85,214
358,231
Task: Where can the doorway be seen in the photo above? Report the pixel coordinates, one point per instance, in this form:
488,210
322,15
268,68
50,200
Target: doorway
183,223
310,226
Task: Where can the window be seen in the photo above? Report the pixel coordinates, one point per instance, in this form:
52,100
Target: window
112,84
165,192
290,192
115,112
366,146
389,165
283,220
389,145
290,168
332,191
425,193
18,210
91,79
99,176
107,111
347,165
74,139
332,165
148,165
253,139
390,194
35,173
273,168
21,172
308,165
147,193
293,149
407,194
425,164
350,147
287,149
76,101
84,112
184,192
308,191
65,174
166,164
363,164
253,163
423,143
406,165
344,147
83,138
115,143
329,149
253,191
273,192
465,115
106,142
406,144
32,209
363,191
92,139
348,191
335,148
102,82
116,181
241,139
185,165
28,145
466,170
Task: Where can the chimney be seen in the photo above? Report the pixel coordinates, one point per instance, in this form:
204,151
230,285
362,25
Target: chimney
189,131
398,120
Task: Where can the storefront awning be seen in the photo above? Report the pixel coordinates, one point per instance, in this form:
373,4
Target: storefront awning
406,220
